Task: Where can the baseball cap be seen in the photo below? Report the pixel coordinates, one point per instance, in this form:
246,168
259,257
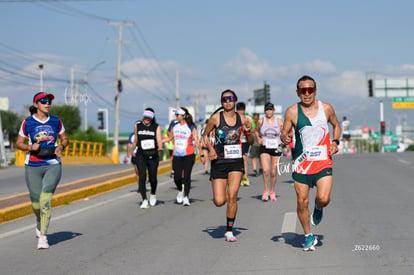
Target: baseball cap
41,95
179,111
269,106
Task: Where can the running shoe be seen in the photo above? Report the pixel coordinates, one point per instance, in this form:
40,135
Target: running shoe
37,233
317,215
242,182
246,181
265,195
144,204
186,201
272,196
254,173
153,200
310,242
42,242
229,237
180,197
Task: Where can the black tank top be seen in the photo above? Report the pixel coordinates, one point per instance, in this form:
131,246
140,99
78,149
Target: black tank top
147,137
227,135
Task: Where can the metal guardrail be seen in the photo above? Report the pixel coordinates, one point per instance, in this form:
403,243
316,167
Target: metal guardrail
76,148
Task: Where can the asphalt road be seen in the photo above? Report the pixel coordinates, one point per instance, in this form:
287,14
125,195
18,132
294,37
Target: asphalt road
367,229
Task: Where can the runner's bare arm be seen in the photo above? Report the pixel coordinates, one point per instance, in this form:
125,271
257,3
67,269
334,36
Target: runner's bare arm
290,115
333,120
212,123
247,129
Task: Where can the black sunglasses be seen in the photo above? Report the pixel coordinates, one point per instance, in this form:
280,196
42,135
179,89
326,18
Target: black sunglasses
229,98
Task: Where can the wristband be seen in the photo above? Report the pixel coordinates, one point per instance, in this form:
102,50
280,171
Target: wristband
248,133
336,141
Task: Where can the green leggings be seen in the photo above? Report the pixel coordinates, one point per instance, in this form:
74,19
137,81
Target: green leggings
41,182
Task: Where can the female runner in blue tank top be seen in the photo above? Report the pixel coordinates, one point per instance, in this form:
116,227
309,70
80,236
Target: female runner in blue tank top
43,165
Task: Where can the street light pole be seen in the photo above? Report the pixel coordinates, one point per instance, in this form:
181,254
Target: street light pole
41,77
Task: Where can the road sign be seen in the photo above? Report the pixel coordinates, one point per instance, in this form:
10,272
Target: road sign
403,102
391,147
394,87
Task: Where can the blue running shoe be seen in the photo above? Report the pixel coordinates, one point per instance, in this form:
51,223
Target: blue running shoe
310,242
317,215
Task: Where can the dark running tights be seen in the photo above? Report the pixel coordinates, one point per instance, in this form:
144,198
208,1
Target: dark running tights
182,167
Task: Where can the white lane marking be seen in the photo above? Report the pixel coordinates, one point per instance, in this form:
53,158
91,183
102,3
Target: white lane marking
403,161
56,218
289,223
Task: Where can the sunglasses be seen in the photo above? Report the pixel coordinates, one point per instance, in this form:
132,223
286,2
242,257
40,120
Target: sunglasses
45,101
309,90
230,98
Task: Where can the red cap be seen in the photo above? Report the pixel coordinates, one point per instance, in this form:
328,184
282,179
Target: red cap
41,95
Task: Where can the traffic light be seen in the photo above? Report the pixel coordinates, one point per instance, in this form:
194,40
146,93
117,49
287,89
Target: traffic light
382,127
370,88
101,119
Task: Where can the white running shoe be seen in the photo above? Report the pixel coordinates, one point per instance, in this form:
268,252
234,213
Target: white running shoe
153,200
180,197
144,204
37,233
42,242
186,201
229,237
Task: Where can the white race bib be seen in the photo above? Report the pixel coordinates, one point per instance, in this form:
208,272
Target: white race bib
316,153
147,144
232,151
180,143
271,143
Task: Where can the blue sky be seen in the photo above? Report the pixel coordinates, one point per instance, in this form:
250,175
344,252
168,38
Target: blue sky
214,45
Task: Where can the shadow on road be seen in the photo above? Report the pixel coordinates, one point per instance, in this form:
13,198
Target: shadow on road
295,240
218,232
58,237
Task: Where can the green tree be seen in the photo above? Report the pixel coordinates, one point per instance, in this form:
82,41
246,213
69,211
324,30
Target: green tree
69,115
91,134
11,124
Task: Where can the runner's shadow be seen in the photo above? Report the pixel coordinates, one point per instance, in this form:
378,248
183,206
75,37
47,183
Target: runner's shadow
218,232
58,237
296,240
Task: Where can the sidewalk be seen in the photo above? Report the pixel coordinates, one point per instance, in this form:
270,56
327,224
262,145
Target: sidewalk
17,206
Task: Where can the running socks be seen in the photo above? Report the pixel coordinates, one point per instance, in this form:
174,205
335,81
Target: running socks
230,223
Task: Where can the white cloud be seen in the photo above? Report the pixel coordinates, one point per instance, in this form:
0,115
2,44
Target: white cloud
348,83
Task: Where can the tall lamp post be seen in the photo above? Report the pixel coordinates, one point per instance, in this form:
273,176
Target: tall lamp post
85,96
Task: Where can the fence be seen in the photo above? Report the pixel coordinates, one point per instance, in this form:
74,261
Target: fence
77,152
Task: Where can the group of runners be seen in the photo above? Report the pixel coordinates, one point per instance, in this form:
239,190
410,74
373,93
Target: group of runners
223,142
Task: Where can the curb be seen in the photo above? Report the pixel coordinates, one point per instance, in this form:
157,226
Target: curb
24,209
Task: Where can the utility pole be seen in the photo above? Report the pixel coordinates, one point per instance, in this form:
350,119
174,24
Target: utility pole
118,90
2,148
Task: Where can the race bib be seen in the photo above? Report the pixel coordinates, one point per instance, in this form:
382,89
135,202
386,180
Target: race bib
232,151
316,153
271,143
147,144
180,143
